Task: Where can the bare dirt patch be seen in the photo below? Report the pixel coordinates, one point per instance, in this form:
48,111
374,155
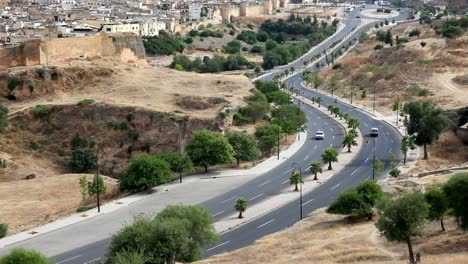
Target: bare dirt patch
322,238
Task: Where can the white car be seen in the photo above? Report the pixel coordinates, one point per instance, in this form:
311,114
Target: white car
319,135
374,132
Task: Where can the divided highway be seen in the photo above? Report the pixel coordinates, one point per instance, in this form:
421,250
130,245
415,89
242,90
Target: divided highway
272,182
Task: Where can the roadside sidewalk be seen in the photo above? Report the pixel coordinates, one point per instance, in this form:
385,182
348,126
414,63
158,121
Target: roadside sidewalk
287,194
171,187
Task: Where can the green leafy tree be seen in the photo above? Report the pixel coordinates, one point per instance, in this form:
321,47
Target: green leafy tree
209,148
268,136
290,118
426,123
177,163
438,205
378,166
330,155
359,201
244,145
199,225
97,185
129,257
295,179
241,206
3,118
144,172
83,160
315,168
407,143
380,35
349,140
402,219
456,191
161,241
279,98
23,256
84,185
176,234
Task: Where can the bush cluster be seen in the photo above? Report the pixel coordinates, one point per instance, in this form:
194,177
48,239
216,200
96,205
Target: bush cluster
215,64
164,44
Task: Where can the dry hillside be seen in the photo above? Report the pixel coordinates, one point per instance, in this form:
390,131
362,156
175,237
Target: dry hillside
436,72
130,110
322,238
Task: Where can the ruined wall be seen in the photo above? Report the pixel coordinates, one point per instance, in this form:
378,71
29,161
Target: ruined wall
23,55
62,49
125,47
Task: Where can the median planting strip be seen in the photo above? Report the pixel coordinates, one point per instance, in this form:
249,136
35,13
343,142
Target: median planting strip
287,195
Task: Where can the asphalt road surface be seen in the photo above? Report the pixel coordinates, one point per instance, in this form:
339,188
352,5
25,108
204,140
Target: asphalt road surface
273,181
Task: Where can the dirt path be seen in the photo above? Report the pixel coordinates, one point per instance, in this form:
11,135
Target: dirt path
445,80
375,241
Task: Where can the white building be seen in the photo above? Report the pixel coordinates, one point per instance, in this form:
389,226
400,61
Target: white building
194,12
149,27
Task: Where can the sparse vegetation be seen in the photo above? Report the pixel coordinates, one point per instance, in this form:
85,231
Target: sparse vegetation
86,102
40,111
3,230
23,256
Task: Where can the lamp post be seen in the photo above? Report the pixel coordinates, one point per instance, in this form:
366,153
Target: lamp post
97,181
278,145
373,161
179,149
373,106
296,166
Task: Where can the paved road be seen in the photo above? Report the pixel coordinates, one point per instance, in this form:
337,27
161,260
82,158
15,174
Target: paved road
269,184
350,176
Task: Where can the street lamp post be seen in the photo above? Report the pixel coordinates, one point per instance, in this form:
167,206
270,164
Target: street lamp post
180,150
278,145
296,166
97,181
298,112
373,106
373,161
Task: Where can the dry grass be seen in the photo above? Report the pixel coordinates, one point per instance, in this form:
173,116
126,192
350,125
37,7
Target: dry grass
29,203
322,238
436,67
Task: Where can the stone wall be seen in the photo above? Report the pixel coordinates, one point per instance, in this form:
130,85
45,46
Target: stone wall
125,47
23,55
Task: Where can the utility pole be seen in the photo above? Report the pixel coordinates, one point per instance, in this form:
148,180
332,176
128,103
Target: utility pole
373,162
398,108
97,180
351,94
278,145
180,151
298,112
373,106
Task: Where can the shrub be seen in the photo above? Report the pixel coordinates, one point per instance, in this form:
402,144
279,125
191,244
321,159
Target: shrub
416,90
456,191
378,46
123,126
414,32
31,88
84,208
83,160
23,256
3,230
35,146
144,172
401,41
86,102
40,111
164,44
248,37
336,66
232,47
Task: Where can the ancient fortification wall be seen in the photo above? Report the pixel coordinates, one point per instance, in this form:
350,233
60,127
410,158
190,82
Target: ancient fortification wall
125,47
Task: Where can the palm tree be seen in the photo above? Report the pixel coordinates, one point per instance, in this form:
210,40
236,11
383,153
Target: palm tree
353,123
318,100
346,116
241,206
315,167
331,108
336,111
295,179
330,155
313,100
350,140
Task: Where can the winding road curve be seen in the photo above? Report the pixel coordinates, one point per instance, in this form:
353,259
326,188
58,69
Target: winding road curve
272,182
